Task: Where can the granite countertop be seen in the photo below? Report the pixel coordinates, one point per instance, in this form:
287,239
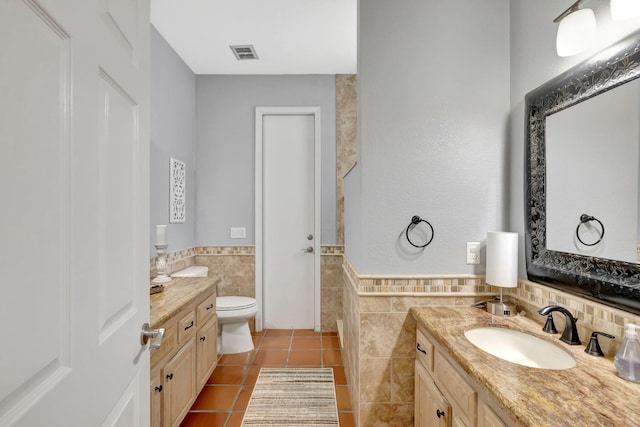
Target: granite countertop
178,293
590,394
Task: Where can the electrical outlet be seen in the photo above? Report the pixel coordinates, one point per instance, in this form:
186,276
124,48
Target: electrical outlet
473,252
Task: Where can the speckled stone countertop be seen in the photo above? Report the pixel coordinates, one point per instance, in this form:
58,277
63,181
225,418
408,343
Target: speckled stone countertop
590,394
178,293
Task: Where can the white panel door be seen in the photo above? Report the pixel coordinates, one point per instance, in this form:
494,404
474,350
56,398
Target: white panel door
289,240
74,252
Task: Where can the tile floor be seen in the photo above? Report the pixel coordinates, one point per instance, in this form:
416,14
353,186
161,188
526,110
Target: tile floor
223,400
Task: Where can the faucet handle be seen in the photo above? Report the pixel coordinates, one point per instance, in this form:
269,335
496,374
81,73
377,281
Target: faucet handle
549,326
593,348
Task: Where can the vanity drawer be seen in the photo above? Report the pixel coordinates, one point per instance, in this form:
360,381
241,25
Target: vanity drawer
424,350
206,309
459,390
186,327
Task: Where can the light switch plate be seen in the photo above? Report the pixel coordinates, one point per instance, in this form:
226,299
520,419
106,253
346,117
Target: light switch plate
473,252
238,233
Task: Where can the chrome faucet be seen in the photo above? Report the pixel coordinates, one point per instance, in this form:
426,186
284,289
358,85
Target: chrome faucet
570,333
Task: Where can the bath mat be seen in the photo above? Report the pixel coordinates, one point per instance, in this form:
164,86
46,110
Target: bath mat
293,397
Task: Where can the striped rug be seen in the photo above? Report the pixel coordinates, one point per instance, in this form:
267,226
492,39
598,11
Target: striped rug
293,397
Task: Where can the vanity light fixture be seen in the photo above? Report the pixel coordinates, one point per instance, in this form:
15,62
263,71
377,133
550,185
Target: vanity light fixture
622,10
577,30
502,269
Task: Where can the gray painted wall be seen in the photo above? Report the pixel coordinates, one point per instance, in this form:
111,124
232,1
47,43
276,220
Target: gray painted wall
173,134
226,149
433,121
533,62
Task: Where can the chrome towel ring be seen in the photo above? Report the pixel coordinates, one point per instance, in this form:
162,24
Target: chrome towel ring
415,220
584,218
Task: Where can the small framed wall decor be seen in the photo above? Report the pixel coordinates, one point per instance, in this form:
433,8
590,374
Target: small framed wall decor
177,191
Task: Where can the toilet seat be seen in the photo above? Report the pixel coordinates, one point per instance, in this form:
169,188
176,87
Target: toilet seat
234,303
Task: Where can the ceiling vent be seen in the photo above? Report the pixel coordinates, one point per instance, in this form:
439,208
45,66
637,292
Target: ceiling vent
244,52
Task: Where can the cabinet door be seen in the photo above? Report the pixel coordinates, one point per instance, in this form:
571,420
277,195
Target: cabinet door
457,421
431,408
206,351
157,391
488,418
179,380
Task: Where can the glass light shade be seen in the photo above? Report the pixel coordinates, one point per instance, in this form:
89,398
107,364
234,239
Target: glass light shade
502,259
576,32
625,9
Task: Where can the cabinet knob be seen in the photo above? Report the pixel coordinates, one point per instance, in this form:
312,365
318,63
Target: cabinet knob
439,413
209,307
158,388
169,376
203,338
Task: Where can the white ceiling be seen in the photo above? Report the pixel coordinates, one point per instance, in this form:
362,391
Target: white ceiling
290,36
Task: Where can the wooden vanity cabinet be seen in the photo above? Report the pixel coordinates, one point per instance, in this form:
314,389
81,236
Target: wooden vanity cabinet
444,395
185,360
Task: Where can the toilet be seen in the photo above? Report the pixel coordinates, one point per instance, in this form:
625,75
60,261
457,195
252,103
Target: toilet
234,313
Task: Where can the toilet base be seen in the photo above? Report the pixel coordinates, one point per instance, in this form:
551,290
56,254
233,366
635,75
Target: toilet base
234,338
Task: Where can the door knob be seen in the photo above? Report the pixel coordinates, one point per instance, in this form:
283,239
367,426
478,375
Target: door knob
147,333
308,250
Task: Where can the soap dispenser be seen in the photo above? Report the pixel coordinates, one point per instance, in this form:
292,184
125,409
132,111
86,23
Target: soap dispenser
627,360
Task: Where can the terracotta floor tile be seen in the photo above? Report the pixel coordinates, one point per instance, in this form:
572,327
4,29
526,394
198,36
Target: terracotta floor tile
243,398
346,419
342,397
339,376
216,398
304,357
275,342
331,357
235,420
279,332
261,333
237,358
330,342
227,394
305,333
305,342
229,374
271,357
257,339
205,419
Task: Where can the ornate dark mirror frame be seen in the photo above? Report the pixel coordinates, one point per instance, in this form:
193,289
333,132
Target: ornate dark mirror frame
611,282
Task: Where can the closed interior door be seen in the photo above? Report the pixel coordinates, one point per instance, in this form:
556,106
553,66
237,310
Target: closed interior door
289,243
74,258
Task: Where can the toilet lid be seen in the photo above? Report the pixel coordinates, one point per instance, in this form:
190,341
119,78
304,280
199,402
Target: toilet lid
234,303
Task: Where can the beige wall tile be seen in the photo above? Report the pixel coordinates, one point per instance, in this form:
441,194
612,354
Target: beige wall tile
386,414
402,379
386,334
375,380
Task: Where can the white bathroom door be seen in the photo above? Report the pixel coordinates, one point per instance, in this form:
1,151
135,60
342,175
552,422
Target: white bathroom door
288,257
74,234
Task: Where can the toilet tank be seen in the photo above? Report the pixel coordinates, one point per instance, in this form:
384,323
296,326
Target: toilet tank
193,271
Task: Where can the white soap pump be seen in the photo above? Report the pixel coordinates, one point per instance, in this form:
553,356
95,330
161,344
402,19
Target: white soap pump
627,360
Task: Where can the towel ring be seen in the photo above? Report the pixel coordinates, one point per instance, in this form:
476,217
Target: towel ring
584,218
415,220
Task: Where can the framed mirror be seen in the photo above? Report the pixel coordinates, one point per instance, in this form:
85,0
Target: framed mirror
582,178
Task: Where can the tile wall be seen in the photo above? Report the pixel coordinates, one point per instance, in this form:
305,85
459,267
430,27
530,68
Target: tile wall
379,335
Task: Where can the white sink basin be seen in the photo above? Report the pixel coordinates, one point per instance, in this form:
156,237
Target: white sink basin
519,347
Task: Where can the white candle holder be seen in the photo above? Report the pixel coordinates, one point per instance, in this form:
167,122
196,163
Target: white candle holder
161,265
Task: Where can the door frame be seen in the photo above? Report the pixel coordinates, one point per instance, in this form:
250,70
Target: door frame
297,111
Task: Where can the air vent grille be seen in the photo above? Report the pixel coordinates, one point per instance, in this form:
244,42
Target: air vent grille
243,52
